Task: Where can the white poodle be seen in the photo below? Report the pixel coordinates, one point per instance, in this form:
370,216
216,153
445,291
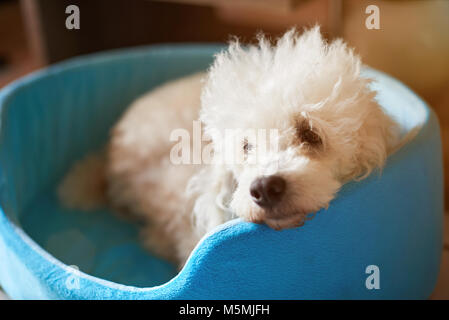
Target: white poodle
327,129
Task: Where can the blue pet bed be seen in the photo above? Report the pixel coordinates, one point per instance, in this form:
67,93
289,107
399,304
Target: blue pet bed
392,221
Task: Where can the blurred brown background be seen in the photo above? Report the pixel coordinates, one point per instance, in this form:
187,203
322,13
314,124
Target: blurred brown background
412,43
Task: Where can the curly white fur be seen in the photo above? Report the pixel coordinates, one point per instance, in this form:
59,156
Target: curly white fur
298,83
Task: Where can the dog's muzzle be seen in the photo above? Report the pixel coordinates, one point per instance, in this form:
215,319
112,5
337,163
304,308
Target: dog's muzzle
267,191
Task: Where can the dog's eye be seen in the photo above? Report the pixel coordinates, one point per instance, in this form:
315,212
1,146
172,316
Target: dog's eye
310,137
247,147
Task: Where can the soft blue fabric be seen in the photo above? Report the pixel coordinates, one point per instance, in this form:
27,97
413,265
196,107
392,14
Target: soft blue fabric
53,117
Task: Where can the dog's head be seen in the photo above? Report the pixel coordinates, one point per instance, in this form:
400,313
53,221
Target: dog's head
320,124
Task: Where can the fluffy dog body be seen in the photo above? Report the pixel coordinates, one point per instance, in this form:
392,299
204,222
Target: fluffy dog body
329,130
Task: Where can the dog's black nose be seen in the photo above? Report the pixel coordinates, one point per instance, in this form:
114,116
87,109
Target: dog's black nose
267,191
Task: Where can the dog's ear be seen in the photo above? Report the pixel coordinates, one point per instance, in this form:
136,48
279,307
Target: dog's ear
378,137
